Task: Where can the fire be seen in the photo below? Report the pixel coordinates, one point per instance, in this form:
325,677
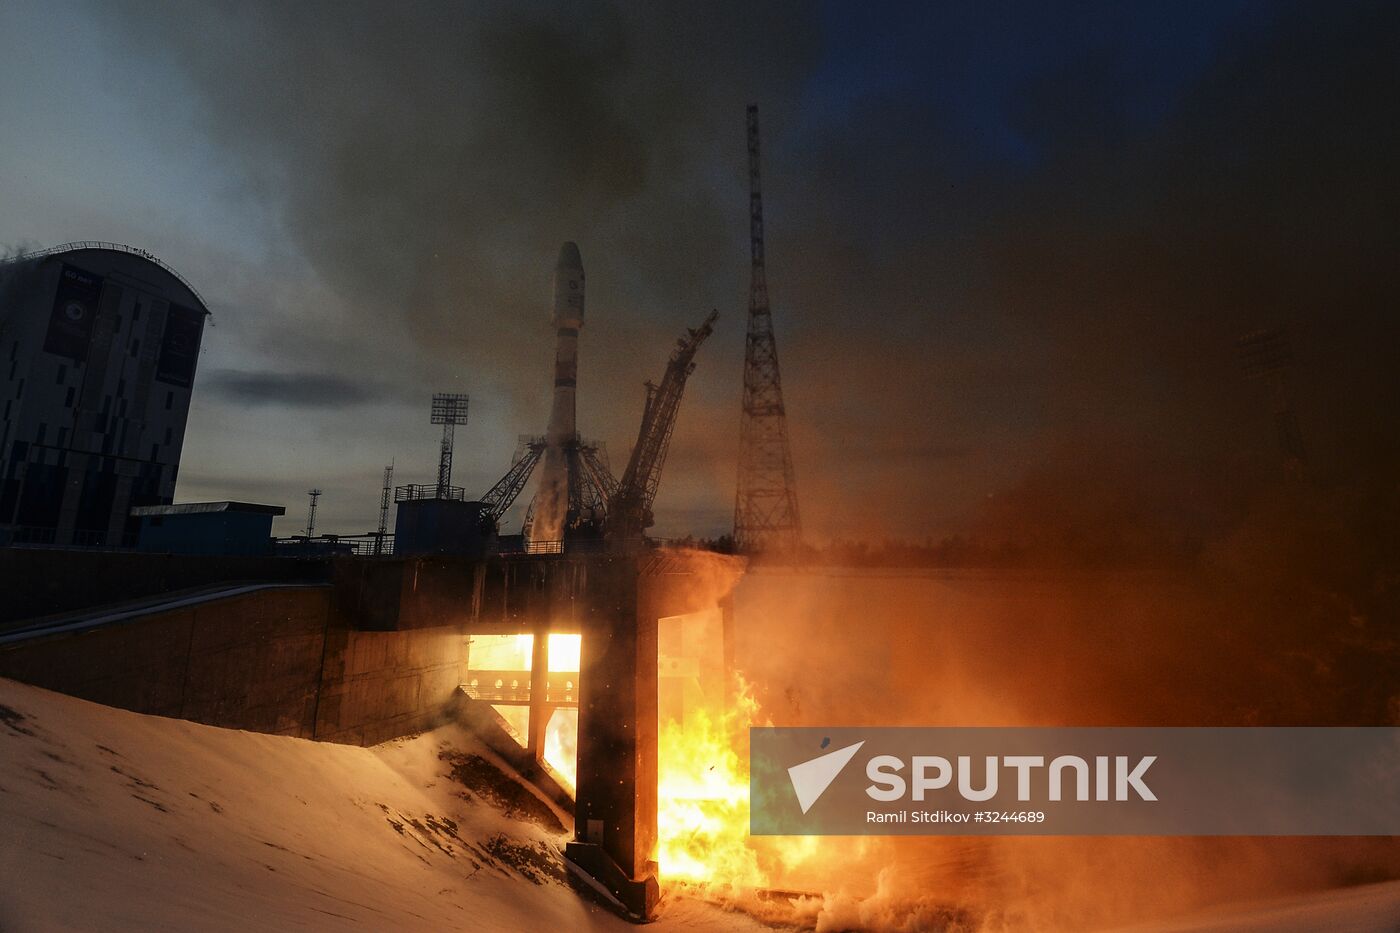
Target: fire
515,653
703,800
561,733
703,777
703,797
703,807
561,746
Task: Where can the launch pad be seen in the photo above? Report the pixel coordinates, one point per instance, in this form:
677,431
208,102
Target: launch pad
615,601
370,650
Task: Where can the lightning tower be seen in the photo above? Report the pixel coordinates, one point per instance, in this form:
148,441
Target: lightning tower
765,506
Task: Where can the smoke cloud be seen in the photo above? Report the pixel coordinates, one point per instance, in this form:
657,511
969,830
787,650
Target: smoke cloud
1000,242
1055,648
291,390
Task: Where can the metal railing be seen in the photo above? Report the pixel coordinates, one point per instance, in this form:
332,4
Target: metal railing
118,247
417,491
366,545
28,534
512,688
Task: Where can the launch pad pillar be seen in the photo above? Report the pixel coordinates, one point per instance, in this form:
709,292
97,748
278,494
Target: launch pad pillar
615,810
540,709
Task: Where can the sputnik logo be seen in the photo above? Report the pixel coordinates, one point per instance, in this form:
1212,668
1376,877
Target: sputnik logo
810,779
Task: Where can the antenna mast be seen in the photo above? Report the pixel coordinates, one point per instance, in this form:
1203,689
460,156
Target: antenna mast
311,512
765,506
385,498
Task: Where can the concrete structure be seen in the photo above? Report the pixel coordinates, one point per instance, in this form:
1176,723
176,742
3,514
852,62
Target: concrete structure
241,528
44,582
98,349
615,601
551,507
276,658
376,649
442,525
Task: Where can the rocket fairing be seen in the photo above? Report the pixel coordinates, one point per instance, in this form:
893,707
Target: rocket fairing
552,500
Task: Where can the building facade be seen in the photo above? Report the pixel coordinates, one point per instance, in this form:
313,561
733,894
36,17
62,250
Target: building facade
98,349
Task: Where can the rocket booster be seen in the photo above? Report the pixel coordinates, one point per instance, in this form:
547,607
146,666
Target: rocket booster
552,500
568,320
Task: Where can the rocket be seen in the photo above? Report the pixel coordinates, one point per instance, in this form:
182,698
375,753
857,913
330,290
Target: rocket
552,500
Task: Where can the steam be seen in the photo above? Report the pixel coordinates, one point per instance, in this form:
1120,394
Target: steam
1047,647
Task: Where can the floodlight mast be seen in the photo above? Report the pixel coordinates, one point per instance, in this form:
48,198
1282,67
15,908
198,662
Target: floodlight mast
449,410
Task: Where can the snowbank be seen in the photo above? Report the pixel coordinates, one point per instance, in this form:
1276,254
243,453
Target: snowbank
114,821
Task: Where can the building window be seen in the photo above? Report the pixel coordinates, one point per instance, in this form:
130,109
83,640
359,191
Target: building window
169,400
136,313
43,431
106,405
63,437
7,408
117,327
135,348
155,451
19,391
121,387
121,408
14,365
169,433
62,373
68,399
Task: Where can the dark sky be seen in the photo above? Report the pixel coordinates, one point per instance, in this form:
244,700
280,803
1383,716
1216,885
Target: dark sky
1010,245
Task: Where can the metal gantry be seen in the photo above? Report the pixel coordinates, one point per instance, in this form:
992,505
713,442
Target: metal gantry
766,516
591,483
621,508
503,494
629,510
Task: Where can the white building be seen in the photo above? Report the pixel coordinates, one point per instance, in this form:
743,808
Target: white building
98,348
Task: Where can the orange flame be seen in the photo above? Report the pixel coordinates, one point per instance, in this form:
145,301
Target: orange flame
703,806
703,800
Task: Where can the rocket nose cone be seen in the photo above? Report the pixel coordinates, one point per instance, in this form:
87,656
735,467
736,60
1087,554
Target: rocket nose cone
569,257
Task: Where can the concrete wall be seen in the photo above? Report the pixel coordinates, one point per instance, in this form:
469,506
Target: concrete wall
43,581
380,685
278,660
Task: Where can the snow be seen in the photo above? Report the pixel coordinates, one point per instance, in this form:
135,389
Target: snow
1372,908
115,821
